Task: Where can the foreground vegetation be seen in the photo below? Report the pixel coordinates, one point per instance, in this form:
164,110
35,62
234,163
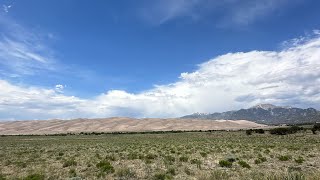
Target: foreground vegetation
187,155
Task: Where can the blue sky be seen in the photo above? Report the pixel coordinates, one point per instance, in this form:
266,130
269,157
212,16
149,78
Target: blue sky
119,55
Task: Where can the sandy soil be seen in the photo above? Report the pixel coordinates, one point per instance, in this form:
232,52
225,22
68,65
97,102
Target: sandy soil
119,124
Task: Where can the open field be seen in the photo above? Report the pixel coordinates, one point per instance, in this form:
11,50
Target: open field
120,124
188,155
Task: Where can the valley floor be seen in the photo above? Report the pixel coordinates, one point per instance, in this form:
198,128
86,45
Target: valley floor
188,155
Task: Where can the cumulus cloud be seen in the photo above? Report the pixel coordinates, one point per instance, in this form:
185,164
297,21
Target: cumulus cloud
290,76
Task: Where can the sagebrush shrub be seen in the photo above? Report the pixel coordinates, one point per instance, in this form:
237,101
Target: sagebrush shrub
70,162
105,166
284,158
34,177
224,163
299,160
244,164
183,159
171,171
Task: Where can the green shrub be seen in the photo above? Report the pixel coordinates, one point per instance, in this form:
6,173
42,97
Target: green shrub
171,171
262,159
188,171
34,177
300,160
224,163
203,154
284,158
170,158
257,161
183,159
244,164
105,166
72,172
60,154
70,162
198,162
133,156
151,156
161,176
2,177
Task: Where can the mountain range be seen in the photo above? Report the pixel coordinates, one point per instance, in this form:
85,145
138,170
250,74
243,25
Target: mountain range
266,114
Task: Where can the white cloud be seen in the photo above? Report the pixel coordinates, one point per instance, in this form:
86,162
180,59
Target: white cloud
22,51
59,87
231,81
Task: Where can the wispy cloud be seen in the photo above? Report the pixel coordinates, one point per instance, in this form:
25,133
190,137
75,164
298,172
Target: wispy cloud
225,12
25,53
6,8
22,51
290,76
160,11
246,12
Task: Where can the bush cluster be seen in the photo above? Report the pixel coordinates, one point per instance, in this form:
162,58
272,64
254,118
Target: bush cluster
225,163
258,131
105,166
244,164
285,130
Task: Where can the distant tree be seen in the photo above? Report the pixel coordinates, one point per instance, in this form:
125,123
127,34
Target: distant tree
259,131
285,130
249,132
316,127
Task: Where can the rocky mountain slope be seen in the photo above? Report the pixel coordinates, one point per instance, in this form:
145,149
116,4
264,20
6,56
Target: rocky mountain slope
266,114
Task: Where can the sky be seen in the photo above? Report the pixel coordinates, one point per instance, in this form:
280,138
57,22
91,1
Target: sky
156,58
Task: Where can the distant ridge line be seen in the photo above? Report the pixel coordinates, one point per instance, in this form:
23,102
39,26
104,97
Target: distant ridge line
266,114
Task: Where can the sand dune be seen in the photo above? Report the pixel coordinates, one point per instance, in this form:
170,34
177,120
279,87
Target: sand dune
119,124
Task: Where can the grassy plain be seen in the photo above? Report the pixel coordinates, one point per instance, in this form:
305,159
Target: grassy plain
188,155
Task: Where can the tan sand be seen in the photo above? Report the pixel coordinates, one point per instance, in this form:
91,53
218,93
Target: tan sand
119,124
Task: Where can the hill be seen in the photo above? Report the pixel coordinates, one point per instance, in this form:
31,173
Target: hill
119,125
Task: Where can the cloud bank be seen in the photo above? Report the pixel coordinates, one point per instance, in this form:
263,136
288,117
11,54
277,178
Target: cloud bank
290,76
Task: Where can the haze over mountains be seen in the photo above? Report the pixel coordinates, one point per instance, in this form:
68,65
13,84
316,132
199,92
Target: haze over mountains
265,114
